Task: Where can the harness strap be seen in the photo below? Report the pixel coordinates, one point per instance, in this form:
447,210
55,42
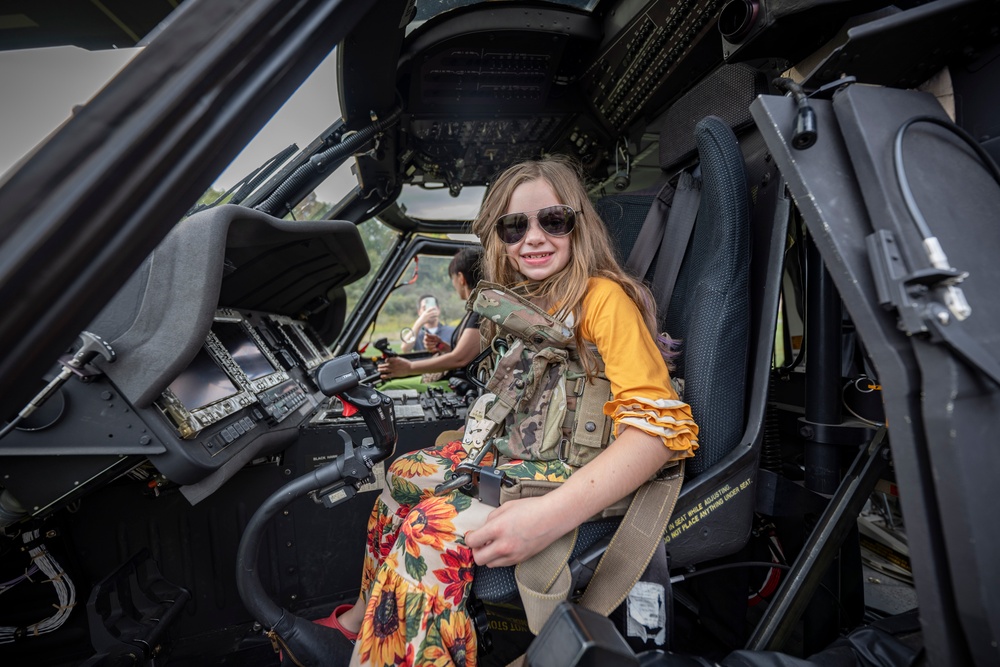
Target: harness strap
634,542
543,580
650,234
676,236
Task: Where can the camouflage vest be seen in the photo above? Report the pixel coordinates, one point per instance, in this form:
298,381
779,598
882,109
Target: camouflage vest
539,394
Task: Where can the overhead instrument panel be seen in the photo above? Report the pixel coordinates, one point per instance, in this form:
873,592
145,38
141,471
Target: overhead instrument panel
513,74
665,49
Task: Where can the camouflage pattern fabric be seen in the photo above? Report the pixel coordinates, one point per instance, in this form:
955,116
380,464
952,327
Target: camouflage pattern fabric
533,404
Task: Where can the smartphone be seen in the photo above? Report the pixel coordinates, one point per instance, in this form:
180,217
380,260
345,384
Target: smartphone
429,302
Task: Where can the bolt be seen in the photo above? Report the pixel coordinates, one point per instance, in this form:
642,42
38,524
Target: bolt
145,440
806,431
285,513
50,534
287,472
288,544
106,395
942,316
293,596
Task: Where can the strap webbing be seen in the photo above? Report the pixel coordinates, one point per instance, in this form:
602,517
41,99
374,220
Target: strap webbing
543,580
650,234
634,542
680,223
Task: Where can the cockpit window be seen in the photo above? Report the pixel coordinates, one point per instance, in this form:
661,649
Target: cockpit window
438,204
426,276
430,8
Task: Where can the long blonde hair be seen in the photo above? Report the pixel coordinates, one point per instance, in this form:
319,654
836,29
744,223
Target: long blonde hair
590,246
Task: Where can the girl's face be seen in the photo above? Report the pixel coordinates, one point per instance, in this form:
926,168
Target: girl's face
537,256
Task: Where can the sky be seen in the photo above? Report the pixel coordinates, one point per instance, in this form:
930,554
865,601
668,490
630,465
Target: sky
41,87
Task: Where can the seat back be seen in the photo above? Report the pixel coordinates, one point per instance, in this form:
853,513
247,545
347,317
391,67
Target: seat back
723,308
710,306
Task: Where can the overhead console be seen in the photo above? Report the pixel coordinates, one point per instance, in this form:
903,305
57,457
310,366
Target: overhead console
513,71
664,50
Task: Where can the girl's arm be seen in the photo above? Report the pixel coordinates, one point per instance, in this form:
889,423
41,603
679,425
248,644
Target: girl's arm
465,351
643,396
521,528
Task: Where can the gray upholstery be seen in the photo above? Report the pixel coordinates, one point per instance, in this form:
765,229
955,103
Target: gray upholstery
710,307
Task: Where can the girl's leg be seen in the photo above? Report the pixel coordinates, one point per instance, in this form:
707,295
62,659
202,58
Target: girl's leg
415,601
350,620
415,613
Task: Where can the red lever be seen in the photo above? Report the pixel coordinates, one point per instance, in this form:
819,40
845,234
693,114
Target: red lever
349,410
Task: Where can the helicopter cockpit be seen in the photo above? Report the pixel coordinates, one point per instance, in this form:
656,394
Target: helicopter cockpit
163,354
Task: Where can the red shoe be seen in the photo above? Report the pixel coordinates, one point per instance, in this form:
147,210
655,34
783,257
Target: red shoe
341,654
333,621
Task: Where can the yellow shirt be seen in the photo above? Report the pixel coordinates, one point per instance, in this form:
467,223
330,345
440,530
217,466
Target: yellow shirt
640,381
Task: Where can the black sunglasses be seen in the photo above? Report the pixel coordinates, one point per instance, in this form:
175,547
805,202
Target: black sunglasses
557,220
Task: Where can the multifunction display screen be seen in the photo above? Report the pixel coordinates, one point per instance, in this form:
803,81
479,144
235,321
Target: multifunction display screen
202,383
243,350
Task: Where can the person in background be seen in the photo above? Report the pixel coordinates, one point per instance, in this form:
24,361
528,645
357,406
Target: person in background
463,346
428,322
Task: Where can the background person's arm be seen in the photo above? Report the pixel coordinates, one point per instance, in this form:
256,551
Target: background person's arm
464,352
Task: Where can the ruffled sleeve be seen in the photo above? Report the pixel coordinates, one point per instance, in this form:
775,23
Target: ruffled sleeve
640,382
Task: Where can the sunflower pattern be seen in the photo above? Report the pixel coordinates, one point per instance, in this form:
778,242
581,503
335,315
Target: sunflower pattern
418,571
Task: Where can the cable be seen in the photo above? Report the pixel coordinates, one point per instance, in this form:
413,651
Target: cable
727,566
953,297
63,585
904,184
7,585
318,163
843,402
10,427
804,134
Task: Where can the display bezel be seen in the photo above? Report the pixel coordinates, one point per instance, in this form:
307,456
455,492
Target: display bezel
264,382
294,333
188,421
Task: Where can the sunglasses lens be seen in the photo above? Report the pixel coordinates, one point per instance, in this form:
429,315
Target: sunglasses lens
557,220
512,227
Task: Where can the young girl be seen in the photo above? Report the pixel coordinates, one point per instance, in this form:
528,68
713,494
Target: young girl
541,233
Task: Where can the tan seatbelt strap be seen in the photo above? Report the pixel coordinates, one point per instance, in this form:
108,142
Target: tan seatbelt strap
634,542
544,581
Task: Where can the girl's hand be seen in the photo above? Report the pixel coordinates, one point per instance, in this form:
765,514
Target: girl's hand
395,367
516,531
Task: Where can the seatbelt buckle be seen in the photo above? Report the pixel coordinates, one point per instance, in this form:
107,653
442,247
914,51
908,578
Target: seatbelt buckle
488,481
480,482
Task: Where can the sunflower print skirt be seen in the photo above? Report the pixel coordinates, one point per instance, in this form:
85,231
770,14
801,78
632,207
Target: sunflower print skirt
418,571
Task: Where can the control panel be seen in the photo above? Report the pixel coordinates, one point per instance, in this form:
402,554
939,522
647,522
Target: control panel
281,401
665,49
